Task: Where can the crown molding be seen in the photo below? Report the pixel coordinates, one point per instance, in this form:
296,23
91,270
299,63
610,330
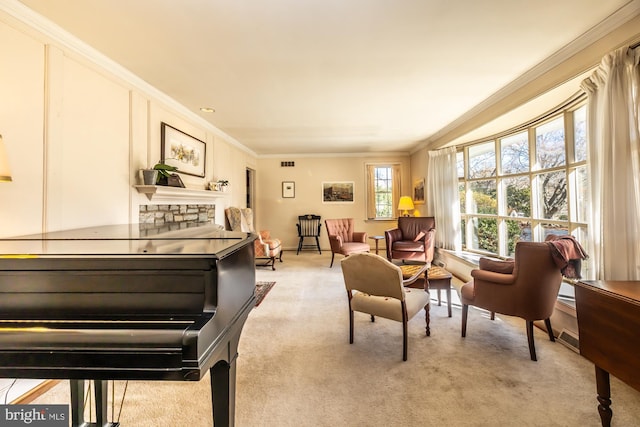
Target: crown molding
597,32
68,42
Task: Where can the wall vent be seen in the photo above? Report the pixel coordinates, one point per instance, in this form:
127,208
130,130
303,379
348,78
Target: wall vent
570,340
287,164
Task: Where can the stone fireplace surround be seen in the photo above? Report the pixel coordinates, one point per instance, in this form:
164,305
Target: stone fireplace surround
180,207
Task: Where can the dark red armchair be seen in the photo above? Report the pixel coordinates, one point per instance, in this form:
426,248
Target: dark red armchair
413,239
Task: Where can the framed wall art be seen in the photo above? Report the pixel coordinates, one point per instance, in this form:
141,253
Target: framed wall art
288,189
337,192
183,151
418,191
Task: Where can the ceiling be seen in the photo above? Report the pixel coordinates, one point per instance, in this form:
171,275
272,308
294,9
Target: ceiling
328,76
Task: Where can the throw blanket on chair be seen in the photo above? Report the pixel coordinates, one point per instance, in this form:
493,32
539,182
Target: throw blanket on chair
567,254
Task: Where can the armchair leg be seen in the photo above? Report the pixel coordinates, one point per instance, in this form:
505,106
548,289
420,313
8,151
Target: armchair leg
280,257
318,245
350,326
404,339
547,323
493,315
532,346
465,311
427,318
332,256
373,318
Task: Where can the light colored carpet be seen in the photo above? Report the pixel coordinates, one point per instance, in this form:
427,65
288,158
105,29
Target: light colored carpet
297,368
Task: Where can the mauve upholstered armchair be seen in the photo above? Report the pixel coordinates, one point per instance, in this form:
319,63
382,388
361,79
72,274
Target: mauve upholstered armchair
413,239
343,239
526,287
374,286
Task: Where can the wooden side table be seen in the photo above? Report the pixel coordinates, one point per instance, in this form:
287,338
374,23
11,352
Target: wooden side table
439,278
377,239
411,275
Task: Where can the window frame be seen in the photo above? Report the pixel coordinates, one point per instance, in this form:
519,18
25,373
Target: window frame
573,224
371,200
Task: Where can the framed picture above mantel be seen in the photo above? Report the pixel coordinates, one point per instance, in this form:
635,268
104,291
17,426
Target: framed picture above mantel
182,150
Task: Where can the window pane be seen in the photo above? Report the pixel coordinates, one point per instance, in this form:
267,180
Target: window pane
482,160
463,231
460,164
514,151
580,133
581,197
383,205
461,192
581,234
383,192
484,197
518,196
555,229
517,231
552,193
550,151
484,234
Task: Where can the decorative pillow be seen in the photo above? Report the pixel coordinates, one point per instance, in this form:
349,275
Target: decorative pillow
420,236
497,266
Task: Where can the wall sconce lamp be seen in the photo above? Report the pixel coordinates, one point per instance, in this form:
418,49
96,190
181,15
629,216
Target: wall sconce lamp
5,173
405,205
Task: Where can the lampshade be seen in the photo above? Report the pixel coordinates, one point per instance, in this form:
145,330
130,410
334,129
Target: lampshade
405,205
5,173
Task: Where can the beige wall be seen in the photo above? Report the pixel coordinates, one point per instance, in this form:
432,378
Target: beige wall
77,135
21,201
280,215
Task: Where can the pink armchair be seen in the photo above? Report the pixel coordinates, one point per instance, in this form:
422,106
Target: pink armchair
343,239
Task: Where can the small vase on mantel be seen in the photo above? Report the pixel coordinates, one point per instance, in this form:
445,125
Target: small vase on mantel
149,176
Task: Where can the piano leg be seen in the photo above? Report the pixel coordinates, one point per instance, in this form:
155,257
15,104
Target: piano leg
77,404
223,379
604,396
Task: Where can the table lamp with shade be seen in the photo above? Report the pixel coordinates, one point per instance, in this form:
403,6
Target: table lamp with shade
405,205
5,173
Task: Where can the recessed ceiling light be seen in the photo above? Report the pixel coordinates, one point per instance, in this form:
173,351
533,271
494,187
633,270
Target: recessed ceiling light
207,110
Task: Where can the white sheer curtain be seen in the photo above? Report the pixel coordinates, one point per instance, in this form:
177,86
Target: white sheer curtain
442,198
614,166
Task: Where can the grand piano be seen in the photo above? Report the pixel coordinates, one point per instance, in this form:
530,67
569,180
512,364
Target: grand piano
126,302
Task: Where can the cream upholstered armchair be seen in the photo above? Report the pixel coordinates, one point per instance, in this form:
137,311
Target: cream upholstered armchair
266,247
374,286
526,287
343,239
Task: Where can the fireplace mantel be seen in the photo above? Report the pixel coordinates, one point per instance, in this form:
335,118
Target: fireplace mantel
176,195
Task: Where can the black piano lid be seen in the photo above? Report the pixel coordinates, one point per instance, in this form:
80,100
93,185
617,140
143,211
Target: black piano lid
125,239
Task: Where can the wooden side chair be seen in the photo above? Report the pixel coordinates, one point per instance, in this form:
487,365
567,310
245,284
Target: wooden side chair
309,225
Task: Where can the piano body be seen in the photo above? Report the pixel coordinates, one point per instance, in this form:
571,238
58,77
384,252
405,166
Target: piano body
123,302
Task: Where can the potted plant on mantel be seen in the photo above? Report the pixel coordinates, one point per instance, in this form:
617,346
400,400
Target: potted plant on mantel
222,184
164,172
